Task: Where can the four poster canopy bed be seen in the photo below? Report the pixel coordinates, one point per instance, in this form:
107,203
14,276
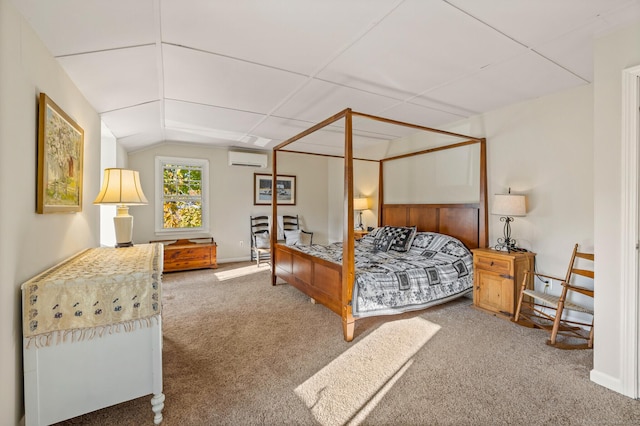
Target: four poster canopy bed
419,253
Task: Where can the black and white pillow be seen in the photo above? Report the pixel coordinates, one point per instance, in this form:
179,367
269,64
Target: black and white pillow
383,241
403,238
423,239
396,238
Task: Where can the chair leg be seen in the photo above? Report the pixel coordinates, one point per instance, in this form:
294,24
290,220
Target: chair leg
516,317
558,319
590,342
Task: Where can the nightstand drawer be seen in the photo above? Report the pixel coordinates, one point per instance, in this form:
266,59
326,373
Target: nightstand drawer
499,266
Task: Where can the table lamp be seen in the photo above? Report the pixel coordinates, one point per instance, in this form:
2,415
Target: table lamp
508,206
122,188
360,204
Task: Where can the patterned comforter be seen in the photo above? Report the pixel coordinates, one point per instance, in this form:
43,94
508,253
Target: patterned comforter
437,268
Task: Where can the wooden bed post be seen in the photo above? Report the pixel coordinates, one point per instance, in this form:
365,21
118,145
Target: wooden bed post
380,192
483,218
348,273
274,223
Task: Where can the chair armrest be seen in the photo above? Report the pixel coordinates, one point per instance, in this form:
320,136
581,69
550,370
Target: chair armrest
545,276
308,233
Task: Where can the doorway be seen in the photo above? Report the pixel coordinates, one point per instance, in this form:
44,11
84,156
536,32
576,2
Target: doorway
630,231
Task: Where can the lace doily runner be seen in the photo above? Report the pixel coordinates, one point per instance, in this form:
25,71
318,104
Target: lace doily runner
96,291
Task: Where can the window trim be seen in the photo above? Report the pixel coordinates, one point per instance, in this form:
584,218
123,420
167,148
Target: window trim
160,161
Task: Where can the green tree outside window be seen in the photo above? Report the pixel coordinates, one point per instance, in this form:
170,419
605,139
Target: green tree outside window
182,193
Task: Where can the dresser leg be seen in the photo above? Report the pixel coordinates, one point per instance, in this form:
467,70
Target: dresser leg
157,404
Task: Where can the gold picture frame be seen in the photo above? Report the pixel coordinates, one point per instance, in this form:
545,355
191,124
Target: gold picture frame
60,160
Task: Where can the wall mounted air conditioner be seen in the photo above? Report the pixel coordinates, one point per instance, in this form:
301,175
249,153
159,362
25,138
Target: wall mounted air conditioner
247,159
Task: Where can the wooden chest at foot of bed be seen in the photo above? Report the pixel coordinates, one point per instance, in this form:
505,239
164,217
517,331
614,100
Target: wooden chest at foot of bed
184,255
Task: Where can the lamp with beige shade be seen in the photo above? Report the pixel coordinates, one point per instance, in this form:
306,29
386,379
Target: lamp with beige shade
508,206
122,188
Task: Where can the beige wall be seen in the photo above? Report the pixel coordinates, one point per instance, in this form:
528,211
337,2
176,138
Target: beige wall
365,182
613,54
231,196
449,176
30,243
543,149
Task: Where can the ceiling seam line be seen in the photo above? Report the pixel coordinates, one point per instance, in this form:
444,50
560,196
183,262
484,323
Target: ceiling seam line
160,64
235,58
461,115
327,62
214,106
487,24
560,66
529,48
71,55
130,106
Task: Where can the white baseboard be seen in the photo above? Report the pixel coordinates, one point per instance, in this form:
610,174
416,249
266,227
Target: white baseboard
235,259
607,381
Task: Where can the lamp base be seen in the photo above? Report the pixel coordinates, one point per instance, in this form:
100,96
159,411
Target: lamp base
507,243
360,225
507,246
123,223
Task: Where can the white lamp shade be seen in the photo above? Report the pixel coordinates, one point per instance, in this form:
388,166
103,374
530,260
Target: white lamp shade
509,205
121,186
360,203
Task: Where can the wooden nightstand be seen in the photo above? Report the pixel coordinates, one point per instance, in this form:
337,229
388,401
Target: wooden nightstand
357,234
497,279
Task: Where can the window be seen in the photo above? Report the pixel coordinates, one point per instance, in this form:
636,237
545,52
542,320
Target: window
182,194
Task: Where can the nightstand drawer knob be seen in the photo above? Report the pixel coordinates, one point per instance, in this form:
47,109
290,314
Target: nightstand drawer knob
492,263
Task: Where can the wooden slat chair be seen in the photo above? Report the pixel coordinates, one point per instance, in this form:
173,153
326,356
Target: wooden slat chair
260,239
535,311
291,224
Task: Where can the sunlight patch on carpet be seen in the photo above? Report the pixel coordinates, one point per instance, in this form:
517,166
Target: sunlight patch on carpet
241,272
348,388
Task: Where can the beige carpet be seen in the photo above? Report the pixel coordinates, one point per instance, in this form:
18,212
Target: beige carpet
238,351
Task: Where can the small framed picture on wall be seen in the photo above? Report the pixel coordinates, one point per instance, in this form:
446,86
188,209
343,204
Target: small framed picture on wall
263,189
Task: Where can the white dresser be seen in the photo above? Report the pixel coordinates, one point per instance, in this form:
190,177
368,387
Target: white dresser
92,334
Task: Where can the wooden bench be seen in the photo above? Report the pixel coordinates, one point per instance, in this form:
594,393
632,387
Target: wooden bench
187,254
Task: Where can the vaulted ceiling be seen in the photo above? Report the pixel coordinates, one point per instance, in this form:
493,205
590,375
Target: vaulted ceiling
252,73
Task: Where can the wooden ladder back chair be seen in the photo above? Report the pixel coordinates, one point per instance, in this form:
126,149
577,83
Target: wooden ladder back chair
549,312
292,223
261,241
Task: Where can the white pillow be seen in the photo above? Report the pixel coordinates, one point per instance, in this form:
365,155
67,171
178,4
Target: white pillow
263,240
292,238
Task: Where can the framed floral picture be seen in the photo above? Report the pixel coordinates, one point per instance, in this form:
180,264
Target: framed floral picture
263,189
60,151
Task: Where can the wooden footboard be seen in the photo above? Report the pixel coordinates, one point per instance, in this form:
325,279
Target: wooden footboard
319,279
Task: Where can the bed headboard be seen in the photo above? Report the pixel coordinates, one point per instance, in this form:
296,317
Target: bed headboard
458,220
